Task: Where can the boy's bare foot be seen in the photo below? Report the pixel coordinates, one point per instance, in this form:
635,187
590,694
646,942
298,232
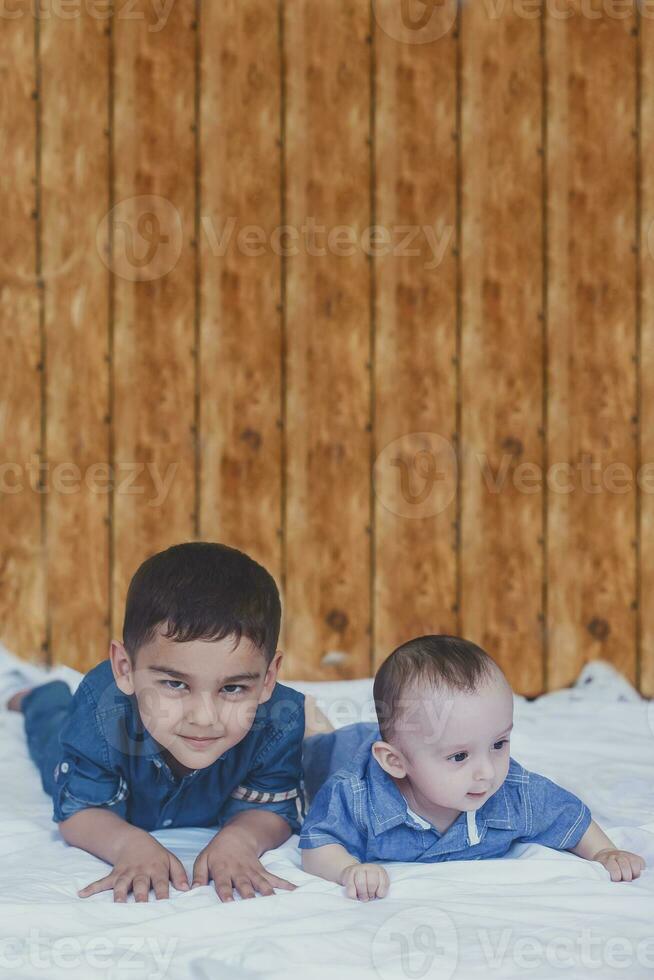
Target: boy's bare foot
316,722
16,699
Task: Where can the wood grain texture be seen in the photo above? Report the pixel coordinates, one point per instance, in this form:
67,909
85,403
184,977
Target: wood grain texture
592,338
501,393
75,153
646,367
22,559
415,378
328,339
154,263
325,383
240,345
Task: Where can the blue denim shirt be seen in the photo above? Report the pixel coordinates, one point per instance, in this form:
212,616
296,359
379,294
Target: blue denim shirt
108,759
360,807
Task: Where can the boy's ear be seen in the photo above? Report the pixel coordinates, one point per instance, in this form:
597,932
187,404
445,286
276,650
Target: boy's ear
390,759
121,666
271,677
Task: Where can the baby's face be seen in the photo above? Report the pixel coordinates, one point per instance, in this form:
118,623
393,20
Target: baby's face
198,699
457,755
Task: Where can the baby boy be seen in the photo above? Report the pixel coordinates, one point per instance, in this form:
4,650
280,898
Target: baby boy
435,781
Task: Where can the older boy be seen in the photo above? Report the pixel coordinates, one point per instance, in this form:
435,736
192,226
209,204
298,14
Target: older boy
184,725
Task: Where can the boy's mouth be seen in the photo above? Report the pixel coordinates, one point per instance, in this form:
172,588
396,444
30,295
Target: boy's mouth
478,795
199,743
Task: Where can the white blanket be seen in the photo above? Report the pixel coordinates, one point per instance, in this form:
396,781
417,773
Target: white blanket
537,913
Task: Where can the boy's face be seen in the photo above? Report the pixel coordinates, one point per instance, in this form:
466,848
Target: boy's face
197,699
451,750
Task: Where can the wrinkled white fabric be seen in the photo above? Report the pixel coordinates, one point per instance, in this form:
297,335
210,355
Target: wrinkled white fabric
537,913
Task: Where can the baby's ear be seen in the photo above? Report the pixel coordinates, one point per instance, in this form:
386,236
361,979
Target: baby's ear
390,759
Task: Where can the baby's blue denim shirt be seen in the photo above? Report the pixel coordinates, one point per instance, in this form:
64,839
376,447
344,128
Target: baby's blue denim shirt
108,759
360,807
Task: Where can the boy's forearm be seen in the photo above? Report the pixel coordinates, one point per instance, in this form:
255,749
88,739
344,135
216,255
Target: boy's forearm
261,831
594,840
99,831
327,862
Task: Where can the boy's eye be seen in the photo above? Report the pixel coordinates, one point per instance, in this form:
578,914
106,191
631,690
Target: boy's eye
456,757
500,745
234,688
166,683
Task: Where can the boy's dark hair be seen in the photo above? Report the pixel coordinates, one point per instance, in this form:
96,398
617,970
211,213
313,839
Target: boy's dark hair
202,591
427,662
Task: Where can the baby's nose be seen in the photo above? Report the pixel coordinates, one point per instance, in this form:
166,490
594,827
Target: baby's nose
484,770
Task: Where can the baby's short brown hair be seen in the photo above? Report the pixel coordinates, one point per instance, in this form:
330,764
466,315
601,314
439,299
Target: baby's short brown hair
427,662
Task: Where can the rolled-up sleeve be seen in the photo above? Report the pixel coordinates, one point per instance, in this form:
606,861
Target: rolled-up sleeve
554,816
84,776
275,780
331,817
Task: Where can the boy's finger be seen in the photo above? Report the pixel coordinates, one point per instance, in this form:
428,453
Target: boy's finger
141,888
178,875
101,885
200,873
161,888
244,887
262,885
279,882
224,889
382,887
121,888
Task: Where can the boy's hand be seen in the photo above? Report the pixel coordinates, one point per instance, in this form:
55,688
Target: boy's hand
234,864
621,865
365,881
139,865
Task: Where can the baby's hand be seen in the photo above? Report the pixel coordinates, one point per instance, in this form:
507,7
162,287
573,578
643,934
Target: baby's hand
364,881
621,865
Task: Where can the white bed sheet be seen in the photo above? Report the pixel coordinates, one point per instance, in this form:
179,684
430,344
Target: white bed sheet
538,913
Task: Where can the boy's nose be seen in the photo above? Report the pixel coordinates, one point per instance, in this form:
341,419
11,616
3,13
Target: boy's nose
202,711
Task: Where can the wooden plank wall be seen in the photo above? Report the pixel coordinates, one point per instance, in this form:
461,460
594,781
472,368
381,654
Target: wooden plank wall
361,287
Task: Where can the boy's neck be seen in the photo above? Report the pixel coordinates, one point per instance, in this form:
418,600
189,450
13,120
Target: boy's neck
441,817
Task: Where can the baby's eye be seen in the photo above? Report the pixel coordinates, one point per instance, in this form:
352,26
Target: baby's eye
234,688
166,683
500,745
456,756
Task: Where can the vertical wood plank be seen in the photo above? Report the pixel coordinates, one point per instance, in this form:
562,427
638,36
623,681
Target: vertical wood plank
74,54
415,375
22,568
240,344
154,265
328,338
501,557
646,367
592,338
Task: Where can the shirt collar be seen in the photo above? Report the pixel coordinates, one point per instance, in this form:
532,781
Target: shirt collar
388,809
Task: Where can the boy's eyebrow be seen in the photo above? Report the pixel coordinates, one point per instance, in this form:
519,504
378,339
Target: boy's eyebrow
252,676
454,748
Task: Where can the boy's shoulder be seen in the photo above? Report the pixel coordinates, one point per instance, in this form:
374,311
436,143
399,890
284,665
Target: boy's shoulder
282,713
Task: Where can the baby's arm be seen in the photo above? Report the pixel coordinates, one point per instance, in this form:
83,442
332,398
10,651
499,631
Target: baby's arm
138,859
333,862
596,846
